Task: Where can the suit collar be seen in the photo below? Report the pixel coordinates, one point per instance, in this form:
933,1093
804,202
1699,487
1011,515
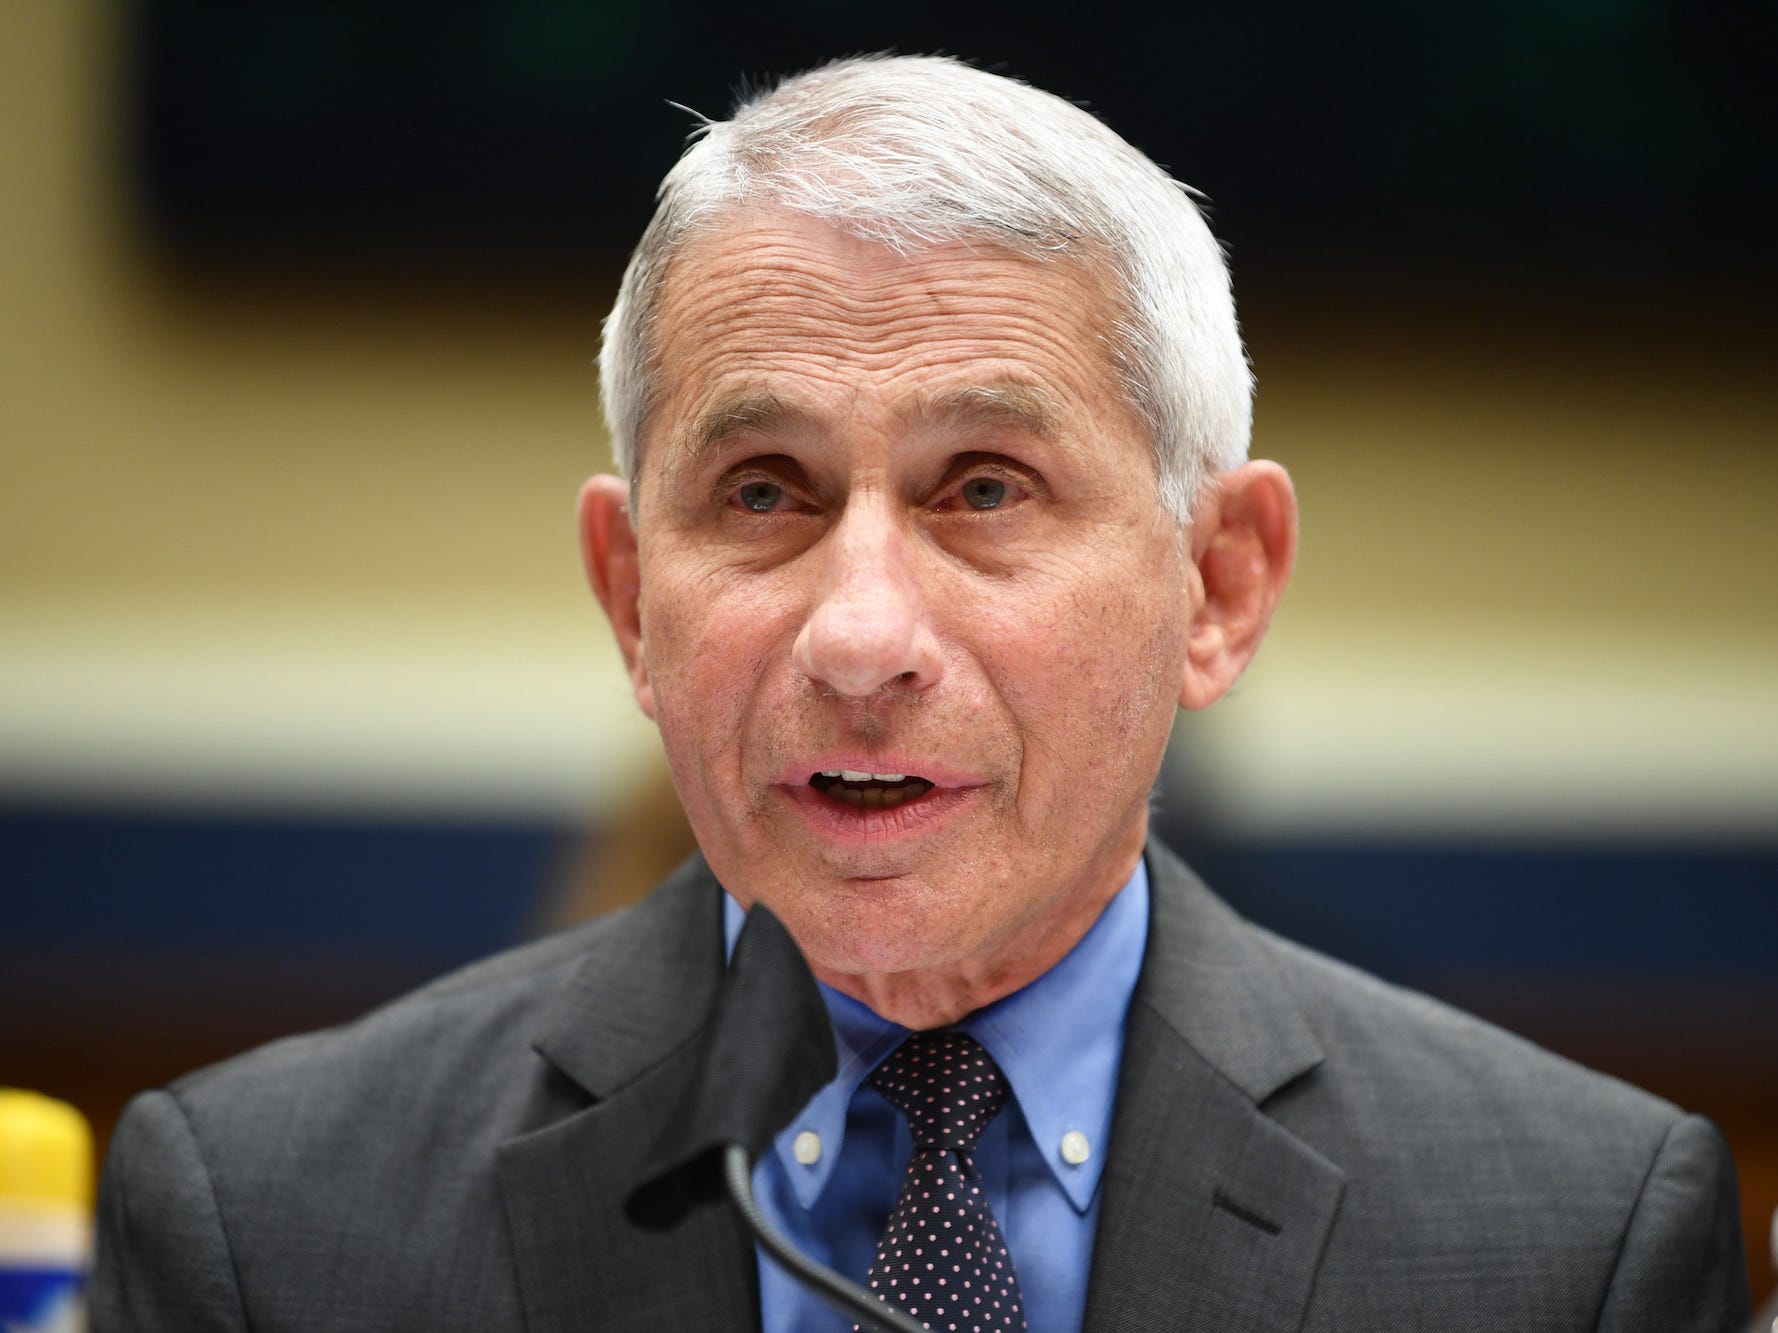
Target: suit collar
1209,978
1213,1216
644,987
648,978
622,1036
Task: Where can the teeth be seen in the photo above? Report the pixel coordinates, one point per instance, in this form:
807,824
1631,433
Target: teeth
830,772
851,775
847,775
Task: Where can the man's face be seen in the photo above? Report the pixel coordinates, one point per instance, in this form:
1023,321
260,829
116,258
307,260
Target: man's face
894,519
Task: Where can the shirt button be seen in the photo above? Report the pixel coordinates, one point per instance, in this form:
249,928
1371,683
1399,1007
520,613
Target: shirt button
1075,1149
808,1147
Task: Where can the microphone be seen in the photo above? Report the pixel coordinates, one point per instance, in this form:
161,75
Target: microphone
767,1050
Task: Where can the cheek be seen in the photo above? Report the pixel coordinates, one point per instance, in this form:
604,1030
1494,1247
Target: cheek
710,643
1092,675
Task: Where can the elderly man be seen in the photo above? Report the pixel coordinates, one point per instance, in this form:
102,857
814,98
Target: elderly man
934,417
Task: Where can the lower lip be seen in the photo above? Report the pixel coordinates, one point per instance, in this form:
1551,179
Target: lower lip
921,815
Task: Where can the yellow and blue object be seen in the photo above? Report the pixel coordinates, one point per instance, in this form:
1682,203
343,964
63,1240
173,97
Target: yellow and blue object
46,1200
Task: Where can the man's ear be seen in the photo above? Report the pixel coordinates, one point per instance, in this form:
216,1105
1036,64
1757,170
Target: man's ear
608,550
1243,544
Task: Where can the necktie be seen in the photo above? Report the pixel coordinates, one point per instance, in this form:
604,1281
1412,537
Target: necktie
943,1257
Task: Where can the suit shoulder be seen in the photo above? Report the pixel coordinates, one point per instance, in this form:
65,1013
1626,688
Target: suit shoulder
1265,1008
432,1034
1505,1178
1422,1061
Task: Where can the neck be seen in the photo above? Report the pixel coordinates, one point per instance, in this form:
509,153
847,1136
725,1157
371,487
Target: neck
936,997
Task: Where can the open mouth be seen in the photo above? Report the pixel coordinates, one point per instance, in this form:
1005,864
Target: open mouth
869,791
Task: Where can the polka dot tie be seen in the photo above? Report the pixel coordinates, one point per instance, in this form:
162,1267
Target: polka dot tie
943,1257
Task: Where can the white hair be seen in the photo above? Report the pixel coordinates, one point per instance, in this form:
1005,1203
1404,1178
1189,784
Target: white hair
919,151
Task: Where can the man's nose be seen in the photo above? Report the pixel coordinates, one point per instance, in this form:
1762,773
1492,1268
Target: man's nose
868,627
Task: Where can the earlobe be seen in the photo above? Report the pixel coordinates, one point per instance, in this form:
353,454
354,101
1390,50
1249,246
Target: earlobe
608,550
1243,545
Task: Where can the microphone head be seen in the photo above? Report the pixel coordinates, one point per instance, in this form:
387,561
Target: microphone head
767,1050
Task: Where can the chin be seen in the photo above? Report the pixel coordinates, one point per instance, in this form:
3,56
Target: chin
875,923
858,958
881,940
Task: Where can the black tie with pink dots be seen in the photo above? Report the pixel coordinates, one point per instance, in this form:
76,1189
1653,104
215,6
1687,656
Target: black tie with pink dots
943,1257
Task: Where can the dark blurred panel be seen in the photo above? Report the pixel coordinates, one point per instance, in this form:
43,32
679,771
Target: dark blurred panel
1610,144
425,892
1422,911
189,935
138,946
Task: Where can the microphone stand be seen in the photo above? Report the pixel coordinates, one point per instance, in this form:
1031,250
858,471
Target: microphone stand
846,1295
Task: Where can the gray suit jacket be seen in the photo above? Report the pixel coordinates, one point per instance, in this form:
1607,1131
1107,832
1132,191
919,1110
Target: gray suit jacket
1296,1147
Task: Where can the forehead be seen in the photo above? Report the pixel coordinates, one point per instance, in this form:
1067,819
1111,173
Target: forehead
783,315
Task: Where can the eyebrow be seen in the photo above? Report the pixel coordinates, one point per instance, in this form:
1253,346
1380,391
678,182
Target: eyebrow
1013,403
758,411
1005,403
755,412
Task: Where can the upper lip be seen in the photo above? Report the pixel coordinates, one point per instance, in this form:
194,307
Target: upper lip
937,772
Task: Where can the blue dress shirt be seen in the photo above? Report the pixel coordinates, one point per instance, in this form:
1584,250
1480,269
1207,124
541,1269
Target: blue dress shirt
1059,1042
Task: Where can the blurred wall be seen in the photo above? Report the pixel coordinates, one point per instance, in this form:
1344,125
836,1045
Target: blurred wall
278,537
303,532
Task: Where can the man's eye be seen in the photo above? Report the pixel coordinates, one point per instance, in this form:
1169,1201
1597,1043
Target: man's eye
760,497
988,493
984,492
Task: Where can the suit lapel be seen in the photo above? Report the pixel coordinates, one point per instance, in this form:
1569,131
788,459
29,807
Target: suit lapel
1213,1216
622,1041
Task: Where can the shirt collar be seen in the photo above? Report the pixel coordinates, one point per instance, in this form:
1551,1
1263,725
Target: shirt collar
862,1040
1058,1040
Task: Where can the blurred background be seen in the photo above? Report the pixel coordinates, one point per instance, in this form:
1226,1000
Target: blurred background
302,700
